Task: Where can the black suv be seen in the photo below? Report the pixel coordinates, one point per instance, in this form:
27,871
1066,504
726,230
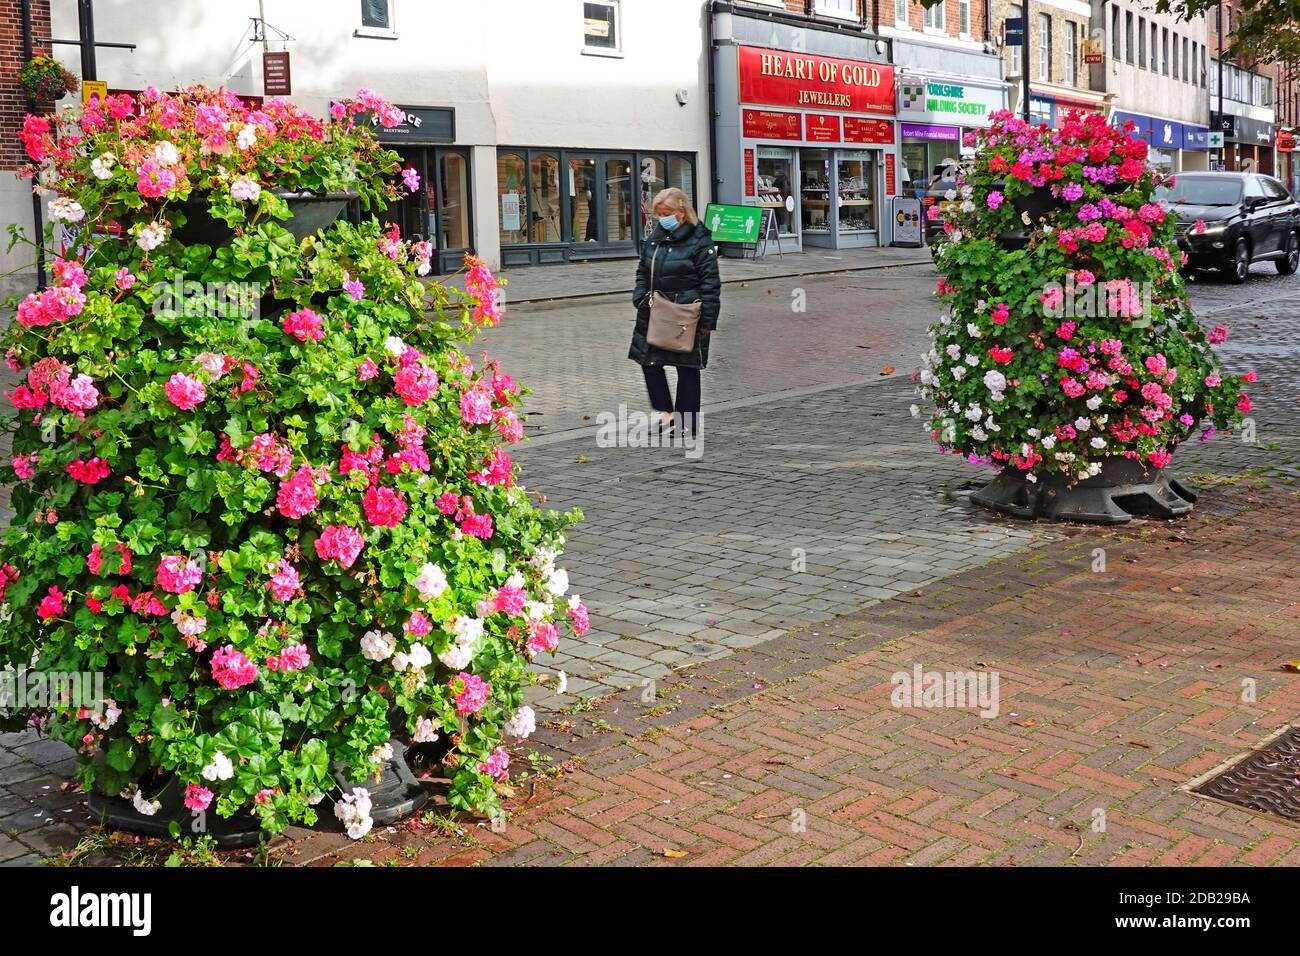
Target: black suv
1247,218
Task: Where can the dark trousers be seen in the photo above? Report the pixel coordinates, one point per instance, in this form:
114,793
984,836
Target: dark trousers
688,393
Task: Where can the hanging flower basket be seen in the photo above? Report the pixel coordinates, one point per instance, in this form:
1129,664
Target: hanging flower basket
46,79
261,488
1068,357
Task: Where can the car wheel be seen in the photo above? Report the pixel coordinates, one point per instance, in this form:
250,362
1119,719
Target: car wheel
1288,264
1239,268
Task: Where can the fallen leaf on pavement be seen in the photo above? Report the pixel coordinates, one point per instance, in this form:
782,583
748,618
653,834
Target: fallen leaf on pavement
1026,723
1292,666
887,370
1176,589
674,854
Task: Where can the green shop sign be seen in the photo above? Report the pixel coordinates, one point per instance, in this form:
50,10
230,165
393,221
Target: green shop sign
732,223
947,98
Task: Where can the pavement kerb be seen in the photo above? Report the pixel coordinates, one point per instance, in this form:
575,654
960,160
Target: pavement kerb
566,297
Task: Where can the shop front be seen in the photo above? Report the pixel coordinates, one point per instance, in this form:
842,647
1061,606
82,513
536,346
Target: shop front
561,205
1247,142
1288,170
440,209
811,138
1173,146
934,116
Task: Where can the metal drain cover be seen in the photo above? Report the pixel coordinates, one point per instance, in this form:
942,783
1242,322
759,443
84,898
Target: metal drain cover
1268,780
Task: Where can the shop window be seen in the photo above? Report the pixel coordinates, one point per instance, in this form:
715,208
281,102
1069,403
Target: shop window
653,179
857,191
453,184
618,200
544,198
512,203
583,224
774,182
815,189
681,173
600,27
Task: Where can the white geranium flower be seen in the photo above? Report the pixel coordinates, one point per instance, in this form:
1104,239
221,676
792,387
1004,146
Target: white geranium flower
973,330
106,716
1094,469
1083,424
467,629
562,685
1093,403
995,381
979,434
425,731
145,807
1033,432
101,167
974,413
64,209
457,657
558,582
151,236
166,154
220,768
376,646
416,659
959,372
431,581
522,724
954,351
1098,442
914,410
247,136
394,346
1049,442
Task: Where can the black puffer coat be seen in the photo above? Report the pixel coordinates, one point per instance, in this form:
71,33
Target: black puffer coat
685,270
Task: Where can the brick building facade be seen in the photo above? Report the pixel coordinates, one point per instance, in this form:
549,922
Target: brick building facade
15,194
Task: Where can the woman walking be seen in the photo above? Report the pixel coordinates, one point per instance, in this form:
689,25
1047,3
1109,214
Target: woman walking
678,267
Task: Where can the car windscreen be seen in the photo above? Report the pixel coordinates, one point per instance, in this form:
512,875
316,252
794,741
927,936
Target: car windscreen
1201,191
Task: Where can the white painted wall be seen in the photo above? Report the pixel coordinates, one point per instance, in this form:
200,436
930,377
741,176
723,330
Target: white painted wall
1139,90
514,69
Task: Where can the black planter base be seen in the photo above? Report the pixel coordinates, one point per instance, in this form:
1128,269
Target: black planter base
243,829
397,794
1123,491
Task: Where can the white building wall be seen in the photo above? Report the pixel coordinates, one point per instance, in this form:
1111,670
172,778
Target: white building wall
1139,90
514,70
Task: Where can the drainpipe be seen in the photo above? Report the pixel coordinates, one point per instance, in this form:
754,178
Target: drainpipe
37,219
713,110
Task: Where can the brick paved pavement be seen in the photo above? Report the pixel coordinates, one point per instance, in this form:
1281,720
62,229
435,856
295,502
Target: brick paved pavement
1118,689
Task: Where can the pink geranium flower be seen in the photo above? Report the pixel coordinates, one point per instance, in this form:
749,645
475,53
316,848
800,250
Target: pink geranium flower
185,392
178,574
340,543
304,325
471,693
231,669
384,507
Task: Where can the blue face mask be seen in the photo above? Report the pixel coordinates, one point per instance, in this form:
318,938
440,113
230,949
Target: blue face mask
669,223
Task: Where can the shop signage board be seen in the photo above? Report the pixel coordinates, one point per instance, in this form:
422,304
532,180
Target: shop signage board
749,172
963,104
890,175
821,128
858,129
728,223
811,81
1013,31
420,125
275,74
770,124
1216,140
1094,51
93,91
1285,141
951,134
510,218
907,221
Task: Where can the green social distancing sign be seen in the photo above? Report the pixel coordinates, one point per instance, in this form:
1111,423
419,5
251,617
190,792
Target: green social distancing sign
733,223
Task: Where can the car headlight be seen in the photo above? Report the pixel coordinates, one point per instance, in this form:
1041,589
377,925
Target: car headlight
1216,228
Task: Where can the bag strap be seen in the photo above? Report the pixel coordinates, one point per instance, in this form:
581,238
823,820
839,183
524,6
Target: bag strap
653,257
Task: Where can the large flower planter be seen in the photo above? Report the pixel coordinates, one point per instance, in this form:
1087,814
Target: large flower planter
311,214
118,813
1123,491
396,794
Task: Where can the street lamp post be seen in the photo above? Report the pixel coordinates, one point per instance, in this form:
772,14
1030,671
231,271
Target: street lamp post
1024,56
1223,146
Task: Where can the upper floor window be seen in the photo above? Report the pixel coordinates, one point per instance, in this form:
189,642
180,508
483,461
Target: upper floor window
846,9
600,26
1070,54
1116,43
376,18
1142,43
1128,37
936,17
1044,47
963,17
900,13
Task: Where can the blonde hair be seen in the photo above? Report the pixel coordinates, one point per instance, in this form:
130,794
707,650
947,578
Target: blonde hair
677,201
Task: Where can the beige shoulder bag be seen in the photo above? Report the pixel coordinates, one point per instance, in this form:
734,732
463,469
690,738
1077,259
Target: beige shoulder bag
672,324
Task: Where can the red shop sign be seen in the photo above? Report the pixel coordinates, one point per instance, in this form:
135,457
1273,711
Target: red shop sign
807,81
821,128
1285,141
749,172
769,124
889,174
859,130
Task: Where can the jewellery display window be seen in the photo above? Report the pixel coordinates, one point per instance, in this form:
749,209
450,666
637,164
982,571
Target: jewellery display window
815,190
856,179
